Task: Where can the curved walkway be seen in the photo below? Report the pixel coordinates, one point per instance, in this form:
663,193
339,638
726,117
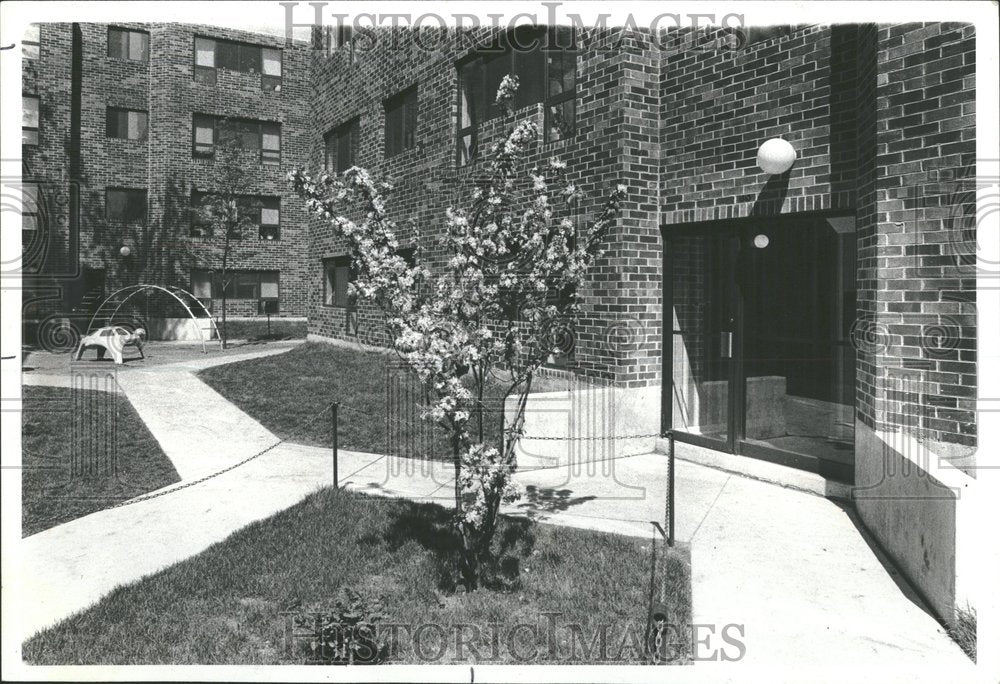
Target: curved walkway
791,569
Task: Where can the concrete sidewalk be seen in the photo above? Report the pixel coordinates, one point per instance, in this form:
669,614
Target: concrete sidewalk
790,567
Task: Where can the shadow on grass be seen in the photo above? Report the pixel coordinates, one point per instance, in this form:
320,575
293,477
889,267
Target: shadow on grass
433,529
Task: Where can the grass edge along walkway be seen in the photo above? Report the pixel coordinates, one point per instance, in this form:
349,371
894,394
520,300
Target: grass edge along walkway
229,604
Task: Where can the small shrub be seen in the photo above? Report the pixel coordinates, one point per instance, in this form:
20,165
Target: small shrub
347,633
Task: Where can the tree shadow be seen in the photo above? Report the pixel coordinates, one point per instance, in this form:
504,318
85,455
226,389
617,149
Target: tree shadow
539,500
432,528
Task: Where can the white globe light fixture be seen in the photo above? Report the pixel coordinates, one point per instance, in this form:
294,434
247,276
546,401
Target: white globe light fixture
125,251
775,156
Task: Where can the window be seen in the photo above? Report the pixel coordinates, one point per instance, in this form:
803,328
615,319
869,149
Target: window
204,60
263,211
333,39
270,143
400,122
270,218
337,274
211,54
128,206
29,119
268,301
31,210
260,137
544,62
560,94
204,135
409,255
129,124
128,44
340,145
262,286
31,44
201,221
201,286
238,56
270,78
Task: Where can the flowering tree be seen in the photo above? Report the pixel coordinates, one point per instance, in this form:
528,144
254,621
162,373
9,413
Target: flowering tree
509,253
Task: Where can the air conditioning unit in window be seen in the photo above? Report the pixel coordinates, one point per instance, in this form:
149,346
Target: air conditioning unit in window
277,88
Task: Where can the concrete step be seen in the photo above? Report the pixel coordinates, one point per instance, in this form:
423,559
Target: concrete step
773,473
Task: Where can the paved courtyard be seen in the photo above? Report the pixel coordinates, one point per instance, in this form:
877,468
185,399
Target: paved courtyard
792,568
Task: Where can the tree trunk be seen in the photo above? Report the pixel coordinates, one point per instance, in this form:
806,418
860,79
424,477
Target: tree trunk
225,287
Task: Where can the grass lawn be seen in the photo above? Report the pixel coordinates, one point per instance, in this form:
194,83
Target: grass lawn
226,605
50,493
284,392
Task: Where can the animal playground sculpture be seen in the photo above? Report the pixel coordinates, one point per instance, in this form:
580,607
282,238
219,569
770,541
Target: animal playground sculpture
113,340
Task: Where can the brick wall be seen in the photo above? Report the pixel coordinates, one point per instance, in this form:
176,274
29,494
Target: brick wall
162,250
53,250
919,259
618,333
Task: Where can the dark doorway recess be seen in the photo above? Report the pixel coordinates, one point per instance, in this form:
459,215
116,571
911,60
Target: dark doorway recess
761,358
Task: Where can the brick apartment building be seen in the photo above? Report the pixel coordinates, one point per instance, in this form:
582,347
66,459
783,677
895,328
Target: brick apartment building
121,123
822,318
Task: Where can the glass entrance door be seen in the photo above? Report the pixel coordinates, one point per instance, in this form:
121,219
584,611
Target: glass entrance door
700,277
761,359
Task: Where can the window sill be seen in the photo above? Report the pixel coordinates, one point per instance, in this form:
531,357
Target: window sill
126,60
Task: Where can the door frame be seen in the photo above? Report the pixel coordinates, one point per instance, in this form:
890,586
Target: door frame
736,442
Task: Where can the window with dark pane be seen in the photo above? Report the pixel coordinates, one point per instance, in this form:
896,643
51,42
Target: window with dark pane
337,275
201,220
125,205
128,44
560,86
127,124
341,145
543,60
400,122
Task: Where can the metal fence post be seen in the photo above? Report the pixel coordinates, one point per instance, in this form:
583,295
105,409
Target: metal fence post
333,422
670,490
